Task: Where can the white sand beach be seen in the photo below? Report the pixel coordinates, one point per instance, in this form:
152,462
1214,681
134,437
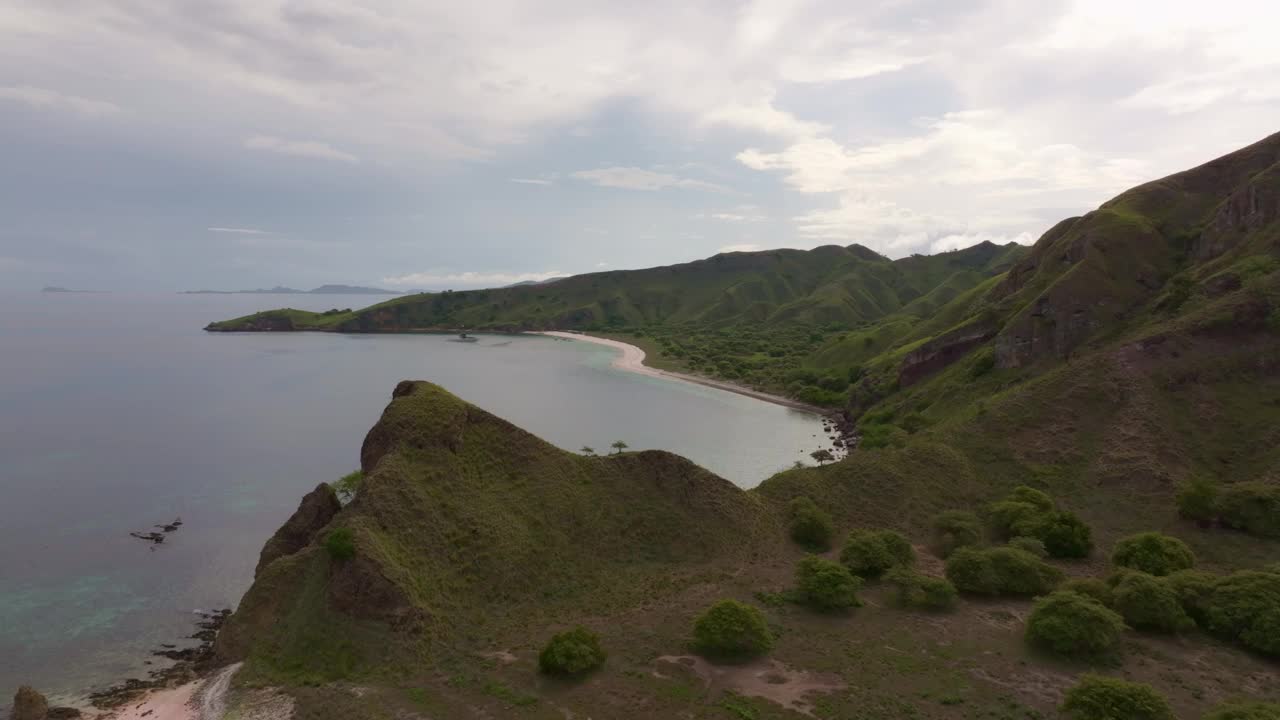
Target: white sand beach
631,359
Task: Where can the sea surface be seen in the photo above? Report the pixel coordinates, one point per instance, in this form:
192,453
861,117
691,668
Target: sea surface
117,412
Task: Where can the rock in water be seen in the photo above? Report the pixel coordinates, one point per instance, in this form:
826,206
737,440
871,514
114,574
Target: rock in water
314,512
29,705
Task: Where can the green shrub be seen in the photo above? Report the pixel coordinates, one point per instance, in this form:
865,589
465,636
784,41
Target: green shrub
1069,623
1063,533
341,544
1245,711
1273,568
1153,553
572,652
1146,603
1001,571
1031,496
1194,590
1092,587
1008,515
347,487
1097,697
1252,507
826,585
922,591
1029,545
1198,500
869,553
810,526
1245,607
732,630
955,529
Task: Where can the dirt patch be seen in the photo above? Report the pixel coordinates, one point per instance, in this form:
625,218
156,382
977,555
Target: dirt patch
506,657
767,679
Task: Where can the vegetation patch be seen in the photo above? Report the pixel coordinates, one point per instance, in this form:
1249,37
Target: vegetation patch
810,526
572,653
1097,697
871,553
826,585
1068,623
1153,553
731,630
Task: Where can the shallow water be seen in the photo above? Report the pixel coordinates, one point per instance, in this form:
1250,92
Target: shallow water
118,412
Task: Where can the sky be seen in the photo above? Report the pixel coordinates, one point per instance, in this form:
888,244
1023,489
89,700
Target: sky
235,144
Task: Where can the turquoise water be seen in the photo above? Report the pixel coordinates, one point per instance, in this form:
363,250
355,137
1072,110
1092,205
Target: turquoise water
117,412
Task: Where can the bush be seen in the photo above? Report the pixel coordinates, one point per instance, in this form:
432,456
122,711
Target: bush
810,526
732,630
1029,545
1147,603
572,652
1198,500
1251,507
869,553
1245,607
341,544
1031,496
955,529
1063,533
1091,587
1069,623
1245,711
1193,589
1153,553
1008,515
826,585
1097,697
922,591
347,487
1001,571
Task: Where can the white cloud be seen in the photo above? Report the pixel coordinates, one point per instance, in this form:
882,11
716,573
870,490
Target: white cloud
743,247
442,280
45,98
239,231
634,178
960,241
531,181
299,148
739,214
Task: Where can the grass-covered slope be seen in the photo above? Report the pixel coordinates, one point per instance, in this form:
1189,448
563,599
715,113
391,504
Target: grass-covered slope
826,285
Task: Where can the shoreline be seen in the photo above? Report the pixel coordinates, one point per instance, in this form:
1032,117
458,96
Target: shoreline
632,360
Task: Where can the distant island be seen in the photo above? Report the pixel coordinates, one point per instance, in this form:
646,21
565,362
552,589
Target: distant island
56,289
278,290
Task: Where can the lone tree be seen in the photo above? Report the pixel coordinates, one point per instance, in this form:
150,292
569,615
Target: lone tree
587,450
822,456
618,446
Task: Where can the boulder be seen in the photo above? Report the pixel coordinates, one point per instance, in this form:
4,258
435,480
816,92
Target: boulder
28,704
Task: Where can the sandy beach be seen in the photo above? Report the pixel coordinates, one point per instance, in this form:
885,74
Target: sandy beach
631,359
203,699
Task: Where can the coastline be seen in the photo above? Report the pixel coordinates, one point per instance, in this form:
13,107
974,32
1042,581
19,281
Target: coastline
632,360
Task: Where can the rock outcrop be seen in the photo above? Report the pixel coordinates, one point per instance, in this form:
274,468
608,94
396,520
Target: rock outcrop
29,704
314,512
942,351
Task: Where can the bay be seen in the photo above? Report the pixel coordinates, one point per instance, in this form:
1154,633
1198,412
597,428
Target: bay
118,412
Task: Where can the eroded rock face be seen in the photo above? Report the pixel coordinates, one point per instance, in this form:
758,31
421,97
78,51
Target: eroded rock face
314,512
943,350
28,704
1246,210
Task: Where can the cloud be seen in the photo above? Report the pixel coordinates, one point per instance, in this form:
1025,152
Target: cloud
299,148
743,247
531,181
239,231
634,178
44,98
441,280
741,213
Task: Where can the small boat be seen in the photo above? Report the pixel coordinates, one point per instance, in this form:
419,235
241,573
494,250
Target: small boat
463,337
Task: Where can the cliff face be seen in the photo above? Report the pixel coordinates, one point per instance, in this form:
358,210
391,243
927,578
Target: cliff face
462,517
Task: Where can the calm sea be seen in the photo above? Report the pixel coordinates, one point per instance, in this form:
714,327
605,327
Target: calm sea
117,412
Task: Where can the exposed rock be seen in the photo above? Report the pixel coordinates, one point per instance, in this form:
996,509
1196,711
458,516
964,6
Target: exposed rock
63,713
28,704
1221,284
943,350
1245,211
314,512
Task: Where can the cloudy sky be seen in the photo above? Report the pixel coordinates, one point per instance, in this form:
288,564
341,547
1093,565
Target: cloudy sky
409,143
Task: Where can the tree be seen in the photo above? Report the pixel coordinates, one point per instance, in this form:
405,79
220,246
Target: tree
618,446
869,553
1146,603
826,585
733,631
922,591
1069,623
587,450
822,456
810,526
1153,553
573,652
1097,697
1245,711
1245,607
954,529
1198,501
